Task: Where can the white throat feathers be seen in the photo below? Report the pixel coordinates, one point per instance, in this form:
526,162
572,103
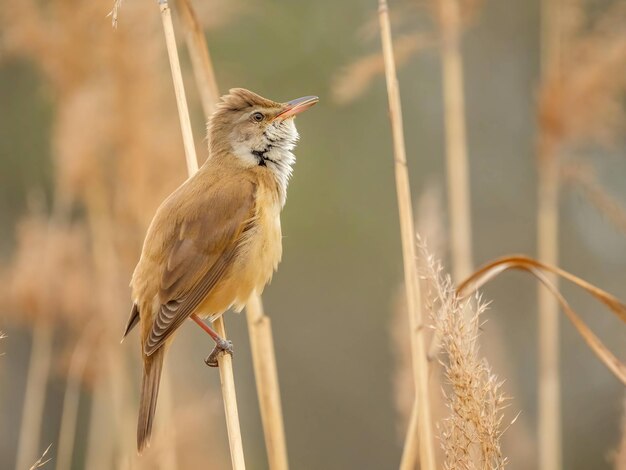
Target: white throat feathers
272,149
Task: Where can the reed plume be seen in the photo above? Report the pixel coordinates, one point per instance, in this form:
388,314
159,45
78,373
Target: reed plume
471,434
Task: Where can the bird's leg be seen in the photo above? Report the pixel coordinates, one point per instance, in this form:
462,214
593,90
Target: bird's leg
221,345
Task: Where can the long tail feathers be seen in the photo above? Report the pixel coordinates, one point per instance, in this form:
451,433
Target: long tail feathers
149,393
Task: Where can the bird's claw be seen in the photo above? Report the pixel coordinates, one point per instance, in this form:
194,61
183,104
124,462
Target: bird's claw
223,346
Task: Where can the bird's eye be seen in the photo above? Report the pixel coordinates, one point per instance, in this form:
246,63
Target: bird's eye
257,117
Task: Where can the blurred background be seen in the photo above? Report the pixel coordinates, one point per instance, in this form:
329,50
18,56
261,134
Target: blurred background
90,145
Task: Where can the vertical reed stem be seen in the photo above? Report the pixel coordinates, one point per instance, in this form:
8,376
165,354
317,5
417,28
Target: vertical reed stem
456,142
265,372
99,443
420,365
200,58
549,433
35,395
259,325
71,400
549,393
410,452
225,360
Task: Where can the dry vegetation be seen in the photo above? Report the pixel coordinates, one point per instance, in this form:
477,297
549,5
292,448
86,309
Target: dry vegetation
74,253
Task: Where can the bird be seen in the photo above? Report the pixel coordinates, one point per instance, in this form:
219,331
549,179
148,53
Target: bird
216,240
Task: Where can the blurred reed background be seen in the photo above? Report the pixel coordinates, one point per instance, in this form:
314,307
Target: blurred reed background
90,144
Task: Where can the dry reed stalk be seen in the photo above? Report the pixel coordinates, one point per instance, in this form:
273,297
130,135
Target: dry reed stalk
411,279
620,453
259,324
549,433
544,272
266,374
35,396
410,451
71,399
200,58
168,459
456,141
549,393
225,360
98,450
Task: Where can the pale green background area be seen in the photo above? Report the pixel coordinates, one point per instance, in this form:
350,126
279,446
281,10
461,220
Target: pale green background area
332,298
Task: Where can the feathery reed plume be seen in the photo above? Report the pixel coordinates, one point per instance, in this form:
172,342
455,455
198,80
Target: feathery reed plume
259,324
225,360
353,80
40,461
411,278
471,434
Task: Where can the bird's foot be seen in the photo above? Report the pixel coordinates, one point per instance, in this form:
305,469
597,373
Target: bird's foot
222,346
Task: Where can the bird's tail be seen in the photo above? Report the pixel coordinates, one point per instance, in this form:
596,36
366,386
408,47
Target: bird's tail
149,393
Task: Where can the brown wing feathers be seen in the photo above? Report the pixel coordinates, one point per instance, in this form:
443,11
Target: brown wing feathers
176,311
199,258
196,252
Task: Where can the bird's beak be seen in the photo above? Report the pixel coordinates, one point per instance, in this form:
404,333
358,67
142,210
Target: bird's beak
293,107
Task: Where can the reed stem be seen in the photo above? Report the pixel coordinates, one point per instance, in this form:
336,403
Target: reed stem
225,360
549,392
411,278
259,325
456,142
35,395
71,400
410,451
266,374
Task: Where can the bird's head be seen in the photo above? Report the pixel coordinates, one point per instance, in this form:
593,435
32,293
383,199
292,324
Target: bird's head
257,131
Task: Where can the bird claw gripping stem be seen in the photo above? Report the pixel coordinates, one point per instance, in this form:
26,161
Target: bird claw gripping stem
222,346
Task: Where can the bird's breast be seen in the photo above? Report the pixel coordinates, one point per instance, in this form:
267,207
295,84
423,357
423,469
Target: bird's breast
256,261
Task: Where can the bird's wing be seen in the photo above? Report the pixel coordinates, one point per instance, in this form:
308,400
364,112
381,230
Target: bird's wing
207,242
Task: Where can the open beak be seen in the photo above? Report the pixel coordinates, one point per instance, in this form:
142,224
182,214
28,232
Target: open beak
293,107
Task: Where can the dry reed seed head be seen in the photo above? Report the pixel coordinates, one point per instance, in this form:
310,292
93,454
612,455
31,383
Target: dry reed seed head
49,275
81,138
214,14
110,94
581,99
470,435
444,16
356,78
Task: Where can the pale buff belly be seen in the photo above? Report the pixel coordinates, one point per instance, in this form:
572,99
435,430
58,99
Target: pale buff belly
251,270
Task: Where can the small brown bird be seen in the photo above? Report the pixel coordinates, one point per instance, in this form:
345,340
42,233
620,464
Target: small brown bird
217,238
